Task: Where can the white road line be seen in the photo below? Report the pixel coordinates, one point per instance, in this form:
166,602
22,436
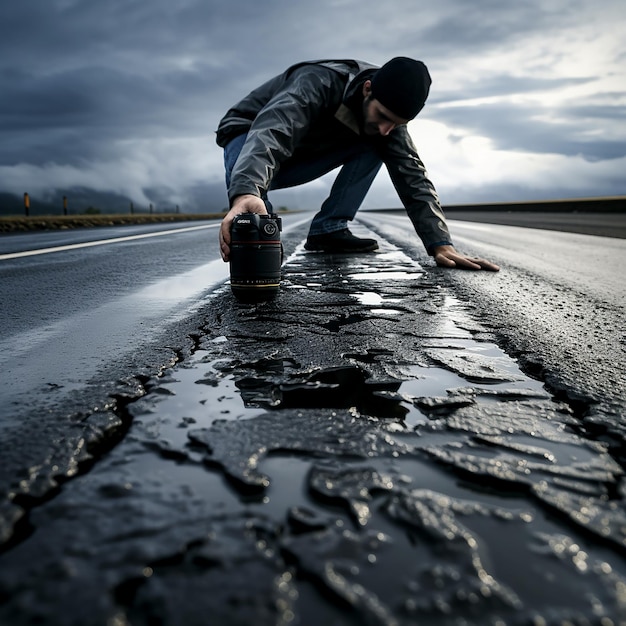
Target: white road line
101,242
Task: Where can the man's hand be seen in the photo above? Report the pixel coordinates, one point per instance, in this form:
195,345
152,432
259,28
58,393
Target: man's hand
241,204
447,256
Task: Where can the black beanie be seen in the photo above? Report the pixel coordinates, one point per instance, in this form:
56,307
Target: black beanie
402,86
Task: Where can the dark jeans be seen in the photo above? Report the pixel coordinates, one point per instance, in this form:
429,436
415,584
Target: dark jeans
360,164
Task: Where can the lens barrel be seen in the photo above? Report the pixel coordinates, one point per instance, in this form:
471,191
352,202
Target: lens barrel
255,257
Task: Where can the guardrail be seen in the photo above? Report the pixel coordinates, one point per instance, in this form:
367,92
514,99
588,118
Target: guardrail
614,204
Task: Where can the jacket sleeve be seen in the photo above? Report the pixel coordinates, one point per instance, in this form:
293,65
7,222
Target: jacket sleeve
416,191
279,126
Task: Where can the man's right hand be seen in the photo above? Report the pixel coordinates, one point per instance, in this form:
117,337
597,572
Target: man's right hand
241,204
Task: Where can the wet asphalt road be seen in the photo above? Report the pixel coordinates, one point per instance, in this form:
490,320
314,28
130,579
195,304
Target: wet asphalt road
386,443
69,312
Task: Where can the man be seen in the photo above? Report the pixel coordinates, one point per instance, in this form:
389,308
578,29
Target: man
317,116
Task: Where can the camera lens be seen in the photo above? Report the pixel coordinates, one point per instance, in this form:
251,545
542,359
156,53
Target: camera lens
255,257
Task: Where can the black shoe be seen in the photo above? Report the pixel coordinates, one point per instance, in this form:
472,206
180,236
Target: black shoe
339,241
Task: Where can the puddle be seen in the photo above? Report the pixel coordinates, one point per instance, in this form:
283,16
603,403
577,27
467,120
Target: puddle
371,298
386,312
392,266
386,276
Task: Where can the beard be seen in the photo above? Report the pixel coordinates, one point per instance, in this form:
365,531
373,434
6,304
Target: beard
367,128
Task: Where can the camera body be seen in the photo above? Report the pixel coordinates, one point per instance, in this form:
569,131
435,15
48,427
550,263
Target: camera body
255,257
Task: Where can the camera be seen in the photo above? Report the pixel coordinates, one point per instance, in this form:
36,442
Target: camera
255,257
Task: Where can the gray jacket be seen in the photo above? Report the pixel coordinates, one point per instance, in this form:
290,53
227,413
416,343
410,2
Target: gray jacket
310,108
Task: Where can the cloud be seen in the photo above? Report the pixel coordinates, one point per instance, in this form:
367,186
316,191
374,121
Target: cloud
578,130
169,171
122,96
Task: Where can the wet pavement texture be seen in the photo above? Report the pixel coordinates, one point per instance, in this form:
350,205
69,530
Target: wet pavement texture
358,451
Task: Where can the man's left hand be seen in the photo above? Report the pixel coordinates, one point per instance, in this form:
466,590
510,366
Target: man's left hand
447,256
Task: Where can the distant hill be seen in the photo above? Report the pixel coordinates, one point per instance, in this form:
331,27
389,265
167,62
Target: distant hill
78,202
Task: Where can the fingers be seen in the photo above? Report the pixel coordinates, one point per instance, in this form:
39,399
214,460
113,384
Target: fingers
224,249
477,264
466,263
487,265
444,261
241,204
224,238
453,259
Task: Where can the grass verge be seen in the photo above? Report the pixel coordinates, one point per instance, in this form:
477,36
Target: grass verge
9,224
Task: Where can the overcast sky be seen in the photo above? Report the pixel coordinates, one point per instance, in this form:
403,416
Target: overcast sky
123,96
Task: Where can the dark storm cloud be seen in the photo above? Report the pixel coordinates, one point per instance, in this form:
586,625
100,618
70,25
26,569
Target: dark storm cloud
521,128
475,26
82,75
531,135
77,113
95,74
480,86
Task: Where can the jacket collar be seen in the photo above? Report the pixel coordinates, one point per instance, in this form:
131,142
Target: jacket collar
349,109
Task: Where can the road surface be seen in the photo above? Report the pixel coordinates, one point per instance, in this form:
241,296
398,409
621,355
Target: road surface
387,442
77,301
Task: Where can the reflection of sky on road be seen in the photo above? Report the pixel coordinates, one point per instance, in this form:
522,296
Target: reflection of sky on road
67,353
176,289
114,317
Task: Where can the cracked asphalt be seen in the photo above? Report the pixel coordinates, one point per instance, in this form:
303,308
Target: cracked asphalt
368,448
